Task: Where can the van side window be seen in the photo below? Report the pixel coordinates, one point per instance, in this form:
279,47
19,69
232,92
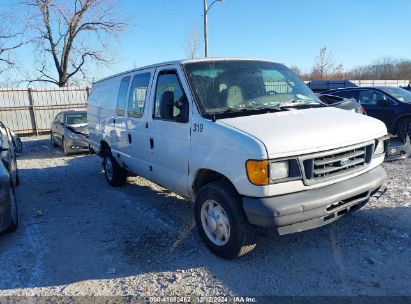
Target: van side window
171,102
138,94
122,96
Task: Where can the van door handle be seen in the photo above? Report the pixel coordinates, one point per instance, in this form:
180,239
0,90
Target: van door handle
151,143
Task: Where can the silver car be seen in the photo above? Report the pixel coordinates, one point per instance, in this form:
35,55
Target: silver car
69,131
10,146
342,103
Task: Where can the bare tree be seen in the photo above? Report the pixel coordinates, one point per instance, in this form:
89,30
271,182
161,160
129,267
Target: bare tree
193,43
325,67
296,70
9,41
72,33
323,64
385,68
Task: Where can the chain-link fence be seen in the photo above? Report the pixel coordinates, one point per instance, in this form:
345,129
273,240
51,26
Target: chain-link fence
30,111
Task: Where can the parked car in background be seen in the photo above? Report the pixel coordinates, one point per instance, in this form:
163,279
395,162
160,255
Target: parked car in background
389,104
10,145
342,103
245,139
408,88
69,131
397,148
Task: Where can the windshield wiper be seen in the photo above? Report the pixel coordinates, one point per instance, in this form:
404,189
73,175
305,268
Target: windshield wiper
275,108
295,103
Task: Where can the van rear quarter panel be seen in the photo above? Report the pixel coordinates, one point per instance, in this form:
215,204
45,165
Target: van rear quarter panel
101,110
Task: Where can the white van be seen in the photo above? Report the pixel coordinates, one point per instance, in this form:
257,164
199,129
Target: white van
245,139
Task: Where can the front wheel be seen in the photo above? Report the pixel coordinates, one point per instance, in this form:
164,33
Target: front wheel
404,128
115,175
13,215
66,147
221,221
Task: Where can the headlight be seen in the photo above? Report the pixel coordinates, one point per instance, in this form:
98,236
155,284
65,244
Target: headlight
279,170
380,147
285,170
72,135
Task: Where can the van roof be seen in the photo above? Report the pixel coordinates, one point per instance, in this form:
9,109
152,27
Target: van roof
182,61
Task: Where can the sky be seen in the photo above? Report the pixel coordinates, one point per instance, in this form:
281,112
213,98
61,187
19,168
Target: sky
287,31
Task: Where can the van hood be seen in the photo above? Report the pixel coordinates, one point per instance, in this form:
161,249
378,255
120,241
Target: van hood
298,132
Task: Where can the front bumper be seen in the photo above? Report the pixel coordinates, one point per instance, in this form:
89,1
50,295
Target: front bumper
398,149
313,208
79,144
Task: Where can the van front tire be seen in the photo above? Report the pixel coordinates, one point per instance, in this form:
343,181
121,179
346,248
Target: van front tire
221,221
115,175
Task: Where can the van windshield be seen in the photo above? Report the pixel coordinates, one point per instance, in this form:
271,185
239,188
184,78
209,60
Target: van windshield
243,85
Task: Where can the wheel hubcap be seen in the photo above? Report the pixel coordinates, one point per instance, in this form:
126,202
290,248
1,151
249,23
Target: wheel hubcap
108,168
215,222
13,206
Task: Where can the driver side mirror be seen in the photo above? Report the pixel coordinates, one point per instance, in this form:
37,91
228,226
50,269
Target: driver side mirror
19,146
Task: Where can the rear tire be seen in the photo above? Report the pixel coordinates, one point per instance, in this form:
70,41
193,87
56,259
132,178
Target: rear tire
115,174
404,128
13,215
221,221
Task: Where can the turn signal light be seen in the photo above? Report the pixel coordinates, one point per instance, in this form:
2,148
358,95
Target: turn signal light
257,172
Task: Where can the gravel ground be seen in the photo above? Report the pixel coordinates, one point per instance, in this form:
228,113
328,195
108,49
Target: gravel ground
79,236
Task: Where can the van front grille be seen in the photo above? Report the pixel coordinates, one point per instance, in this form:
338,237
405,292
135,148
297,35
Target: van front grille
336,163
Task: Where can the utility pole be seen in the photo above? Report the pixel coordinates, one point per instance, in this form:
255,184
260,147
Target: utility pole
206,9
205,29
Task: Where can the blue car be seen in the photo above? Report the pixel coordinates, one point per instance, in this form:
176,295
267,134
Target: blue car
389,104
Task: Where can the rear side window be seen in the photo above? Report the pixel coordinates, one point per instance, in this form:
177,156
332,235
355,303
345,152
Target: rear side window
138,95
371,97
122,96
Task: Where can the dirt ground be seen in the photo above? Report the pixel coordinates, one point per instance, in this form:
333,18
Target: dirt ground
79,236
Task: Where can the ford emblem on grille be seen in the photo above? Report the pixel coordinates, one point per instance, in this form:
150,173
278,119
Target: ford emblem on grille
344,162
